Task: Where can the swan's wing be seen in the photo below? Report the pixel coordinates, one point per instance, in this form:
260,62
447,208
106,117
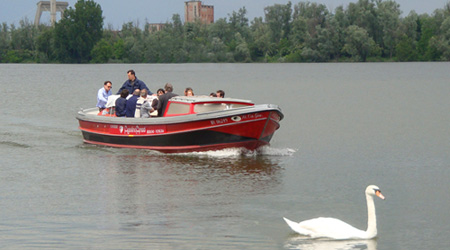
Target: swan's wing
326,227
331,228
296,227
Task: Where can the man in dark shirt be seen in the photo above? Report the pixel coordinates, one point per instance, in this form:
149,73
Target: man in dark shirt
121,103
131,104
164,99
133,83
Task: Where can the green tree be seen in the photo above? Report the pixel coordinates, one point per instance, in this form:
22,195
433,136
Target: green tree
4,41
427,29
134,50
239,23
364,14
22,43
195,42
23,38
315,15
102,51
441,44
78,32
388,14
44,45
261,46
242,52
359,45
118,49
218,51
278,18
405,49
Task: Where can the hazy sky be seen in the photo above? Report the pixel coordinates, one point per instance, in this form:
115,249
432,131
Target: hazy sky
117,12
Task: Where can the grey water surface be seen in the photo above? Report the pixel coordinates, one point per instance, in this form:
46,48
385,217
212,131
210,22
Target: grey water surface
346,126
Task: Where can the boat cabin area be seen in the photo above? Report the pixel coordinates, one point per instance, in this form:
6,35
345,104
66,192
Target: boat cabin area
184,105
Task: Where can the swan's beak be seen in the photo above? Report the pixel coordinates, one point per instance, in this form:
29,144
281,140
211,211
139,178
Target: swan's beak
378,193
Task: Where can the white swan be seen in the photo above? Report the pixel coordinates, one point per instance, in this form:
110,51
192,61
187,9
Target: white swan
337,229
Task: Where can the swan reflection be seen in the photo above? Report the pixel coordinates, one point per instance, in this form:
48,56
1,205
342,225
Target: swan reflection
306,243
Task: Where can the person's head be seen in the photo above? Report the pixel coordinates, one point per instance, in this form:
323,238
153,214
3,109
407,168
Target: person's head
213,95
131,75
220,93
160,92
137,92
168,87
144,93
107,85
189,91
124,93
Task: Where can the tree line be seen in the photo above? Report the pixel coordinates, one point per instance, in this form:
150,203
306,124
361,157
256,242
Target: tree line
367,30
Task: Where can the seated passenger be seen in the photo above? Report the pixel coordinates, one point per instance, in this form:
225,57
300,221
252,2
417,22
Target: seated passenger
102,95
149,108
131,103
188,92
121,103
164,99
141,100
220,93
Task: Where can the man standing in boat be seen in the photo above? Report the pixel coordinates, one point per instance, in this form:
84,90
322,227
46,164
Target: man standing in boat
133,83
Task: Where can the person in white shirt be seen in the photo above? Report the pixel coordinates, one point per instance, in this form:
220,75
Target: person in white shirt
102,95
149,106
145,98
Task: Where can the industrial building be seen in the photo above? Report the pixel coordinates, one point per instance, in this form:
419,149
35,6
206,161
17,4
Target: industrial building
195,10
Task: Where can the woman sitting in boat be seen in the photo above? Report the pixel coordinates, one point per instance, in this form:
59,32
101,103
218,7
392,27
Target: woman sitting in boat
189,91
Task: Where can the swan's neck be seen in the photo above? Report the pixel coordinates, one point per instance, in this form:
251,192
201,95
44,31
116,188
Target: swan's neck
371,218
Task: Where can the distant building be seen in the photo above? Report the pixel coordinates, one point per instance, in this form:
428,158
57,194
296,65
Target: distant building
153,27
194,10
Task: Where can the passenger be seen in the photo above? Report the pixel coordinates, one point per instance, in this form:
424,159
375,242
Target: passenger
131,103
164,99
154,110
121,103
213,95
133,83
103,94
146,109
220,93
141,100
144,100
189,91
149,108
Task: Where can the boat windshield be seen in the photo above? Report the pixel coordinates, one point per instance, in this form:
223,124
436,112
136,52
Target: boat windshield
209,107
178,109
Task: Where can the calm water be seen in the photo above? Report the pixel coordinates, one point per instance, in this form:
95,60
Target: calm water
346,126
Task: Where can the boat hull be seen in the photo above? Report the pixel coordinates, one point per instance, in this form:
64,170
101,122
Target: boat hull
248,128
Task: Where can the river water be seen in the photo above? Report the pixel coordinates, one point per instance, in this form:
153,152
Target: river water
346,126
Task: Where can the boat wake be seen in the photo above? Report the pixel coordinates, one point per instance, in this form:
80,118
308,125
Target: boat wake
237,152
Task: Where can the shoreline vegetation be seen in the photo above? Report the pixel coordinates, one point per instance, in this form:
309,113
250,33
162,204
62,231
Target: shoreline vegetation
363,31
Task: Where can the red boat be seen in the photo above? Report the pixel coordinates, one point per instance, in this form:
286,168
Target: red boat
188,124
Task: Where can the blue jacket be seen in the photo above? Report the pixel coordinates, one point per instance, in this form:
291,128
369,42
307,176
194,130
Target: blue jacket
121,104
131,106
138,84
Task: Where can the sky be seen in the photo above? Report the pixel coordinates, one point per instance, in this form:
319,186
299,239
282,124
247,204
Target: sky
118,12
